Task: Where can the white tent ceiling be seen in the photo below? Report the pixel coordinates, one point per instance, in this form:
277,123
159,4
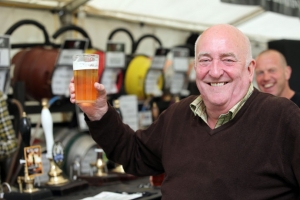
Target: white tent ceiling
191,15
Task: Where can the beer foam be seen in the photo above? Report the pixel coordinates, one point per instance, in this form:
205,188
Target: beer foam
79,65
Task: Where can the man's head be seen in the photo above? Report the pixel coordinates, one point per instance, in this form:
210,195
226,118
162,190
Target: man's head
272,73
224,66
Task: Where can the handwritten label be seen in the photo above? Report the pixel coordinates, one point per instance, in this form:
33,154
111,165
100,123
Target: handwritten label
61,79
4,51
115,55
180,64
129,110
109,80
69,48
151,83
4,58
66,56
158,62
115,60
180,59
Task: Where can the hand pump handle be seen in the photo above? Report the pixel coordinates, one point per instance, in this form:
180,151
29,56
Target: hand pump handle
47,124
25,129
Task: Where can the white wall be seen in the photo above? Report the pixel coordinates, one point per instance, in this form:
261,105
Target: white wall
30,33
97,28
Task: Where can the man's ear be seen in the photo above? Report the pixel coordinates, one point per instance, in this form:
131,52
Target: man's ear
288,72
251,69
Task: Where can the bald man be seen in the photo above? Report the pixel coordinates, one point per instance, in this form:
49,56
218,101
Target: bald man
273,74
231,142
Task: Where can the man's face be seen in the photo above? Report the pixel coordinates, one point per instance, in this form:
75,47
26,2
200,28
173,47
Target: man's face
271,74
221,73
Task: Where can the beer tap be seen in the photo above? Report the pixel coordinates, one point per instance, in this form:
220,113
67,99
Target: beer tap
29,192
100,164
47,124
25,129
55,173
28,180
57,183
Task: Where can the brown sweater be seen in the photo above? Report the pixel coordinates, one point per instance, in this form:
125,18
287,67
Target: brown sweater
254,156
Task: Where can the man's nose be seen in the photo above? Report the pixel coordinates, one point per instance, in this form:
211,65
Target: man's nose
216,69
266,76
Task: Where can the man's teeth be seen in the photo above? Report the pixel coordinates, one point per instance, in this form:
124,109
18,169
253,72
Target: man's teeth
217,84
268,85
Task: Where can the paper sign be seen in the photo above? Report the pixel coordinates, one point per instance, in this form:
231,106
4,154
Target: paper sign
180,59
115,55
159,59
129,110
4,51
109,80
69,48
60,80
151,83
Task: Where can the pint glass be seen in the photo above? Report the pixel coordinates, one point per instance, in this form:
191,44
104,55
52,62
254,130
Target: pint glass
85,68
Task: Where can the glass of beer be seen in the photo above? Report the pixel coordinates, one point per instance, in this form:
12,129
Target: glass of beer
85,68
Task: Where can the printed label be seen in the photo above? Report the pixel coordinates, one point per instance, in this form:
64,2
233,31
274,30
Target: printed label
80,65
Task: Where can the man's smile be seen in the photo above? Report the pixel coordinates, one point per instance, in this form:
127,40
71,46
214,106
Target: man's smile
217,84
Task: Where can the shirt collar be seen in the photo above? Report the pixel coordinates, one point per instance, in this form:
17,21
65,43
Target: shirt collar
198,107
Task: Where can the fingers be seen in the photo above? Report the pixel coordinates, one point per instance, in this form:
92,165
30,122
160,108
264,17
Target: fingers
101,89
71,86
72,90
72,98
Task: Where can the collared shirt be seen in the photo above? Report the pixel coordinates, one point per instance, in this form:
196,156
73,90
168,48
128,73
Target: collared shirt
198,107
8,140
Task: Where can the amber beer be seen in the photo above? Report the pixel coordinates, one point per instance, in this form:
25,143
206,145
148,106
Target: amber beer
85,68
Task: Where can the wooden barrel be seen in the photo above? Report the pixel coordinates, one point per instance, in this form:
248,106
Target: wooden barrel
34,67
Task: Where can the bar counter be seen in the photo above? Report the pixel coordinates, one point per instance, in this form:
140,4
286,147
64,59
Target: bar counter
130,186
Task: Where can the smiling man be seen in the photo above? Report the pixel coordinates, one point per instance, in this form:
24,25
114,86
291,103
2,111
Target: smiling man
231,142
273,74
224,72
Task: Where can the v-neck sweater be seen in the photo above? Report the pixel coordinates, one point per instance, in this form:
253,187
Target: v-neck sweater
254,156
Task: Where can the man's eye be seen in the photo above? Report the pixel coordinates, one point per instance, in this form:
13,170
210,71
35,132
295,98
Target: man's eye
204,60
272,70
259,73
228,60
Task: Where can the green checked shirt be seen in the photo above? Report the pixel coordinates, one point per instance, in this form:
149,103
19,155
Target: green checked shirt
8,140
198,107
